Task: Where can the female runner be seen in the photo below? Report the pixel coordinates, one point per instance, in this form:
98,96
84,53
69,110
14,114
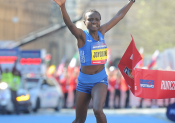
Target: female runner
92,80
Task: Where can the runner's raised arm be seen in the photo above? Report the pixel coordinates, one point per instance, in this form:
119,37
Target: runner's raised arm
74,30
121,13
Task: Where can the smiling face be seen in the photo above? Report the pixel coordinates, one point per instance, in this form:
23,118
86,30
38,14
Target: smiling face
92,21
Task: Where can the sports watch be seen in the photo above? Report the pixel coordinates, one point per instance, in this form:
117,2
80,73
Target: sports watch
132,0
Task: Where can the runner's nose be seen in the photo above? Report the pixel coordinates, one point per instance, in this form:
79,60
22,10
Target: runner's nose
94,21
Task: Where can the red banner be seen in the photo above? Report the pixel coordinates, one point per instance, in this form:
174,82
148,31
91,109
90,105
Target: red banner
152,84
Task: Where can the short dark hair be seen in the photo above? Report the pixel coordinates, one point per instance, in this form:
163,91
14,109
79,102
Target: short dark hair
91,10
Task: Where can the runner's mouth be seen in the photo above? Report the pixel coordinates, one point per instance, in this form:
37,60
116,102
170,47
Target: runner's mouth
94,25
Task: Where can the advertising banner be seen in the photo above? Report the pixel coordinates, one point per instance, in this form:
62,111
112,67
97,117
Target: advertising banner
152,84
8,57
32,61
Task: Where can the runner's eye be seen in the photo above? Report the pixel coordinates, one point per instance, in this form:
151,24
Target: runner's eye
97,19
90,19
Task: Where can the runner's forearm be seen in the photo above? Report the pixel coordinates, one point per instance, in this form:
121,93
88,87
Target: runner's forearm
122,12
65,16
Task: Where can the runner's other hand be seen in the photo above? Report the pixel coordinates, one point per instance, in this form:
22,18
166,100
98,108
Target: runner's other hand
130,74
60,2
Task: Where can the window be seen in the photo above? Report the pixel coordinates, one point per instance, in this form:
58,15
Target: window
31,82
48,82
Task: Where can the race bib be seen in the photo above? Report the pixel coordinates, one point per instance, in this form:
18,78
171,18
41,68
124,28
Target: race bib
99,53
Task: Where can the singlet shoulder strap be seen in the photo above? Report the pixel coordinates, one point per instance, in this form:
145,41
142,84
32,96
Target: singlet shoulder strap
100,36
86,32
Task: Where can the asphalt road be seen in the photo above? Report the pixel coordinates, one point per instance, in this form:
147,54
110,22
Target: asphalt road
68,115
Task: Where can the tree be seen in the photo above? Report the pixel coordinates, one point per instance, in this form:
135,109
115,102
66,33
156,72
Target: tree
154,25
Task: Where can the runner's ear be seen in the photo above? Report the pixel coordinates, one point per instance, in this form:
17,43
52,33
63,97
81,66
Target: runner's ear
84,22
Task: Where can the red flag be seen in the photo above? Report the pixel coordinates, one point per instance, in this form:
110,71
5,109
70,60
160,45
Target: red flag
140,63
152,84
129,60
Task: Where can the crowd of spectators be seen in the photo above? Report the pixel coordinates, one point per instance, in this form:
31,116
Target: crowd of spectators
118,94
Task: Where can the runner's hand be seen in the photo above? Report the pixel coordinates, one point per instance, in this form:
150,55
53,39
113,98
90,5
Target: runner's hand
60,2
130,74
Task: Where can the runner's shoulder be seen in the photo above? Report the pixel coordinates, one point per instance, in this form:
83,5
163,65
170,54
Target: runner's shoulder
82,36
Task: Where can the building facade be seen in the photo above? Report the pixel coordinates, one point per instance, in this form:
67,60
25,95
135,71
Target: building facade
28,17
21,17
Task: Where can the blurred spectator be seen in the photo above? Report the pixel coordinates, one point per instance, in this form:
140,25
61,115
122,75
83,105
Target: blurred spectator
57,78
15,85
73,83
166,100
114,85
64,85
7,77
117,88
125,88
107,96
148,103
141,103
154,103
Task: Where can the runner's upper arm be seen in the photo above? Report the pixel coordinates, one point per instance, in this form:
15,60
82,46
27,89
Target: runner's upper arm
75,31
107,26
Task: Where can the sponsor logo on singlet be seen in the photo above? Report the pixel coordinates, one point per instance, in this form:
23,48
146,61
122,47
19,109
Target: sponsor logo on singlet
146,83
89,40
101,39
167,85
82,57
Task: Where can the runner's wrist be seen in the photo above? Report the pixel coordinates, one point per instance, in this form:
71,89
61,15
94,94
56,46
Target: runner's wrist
63,5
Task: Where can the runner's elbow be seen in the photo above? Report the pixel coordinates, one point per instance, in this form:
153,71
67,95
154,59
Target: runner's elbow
70,26
121,17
